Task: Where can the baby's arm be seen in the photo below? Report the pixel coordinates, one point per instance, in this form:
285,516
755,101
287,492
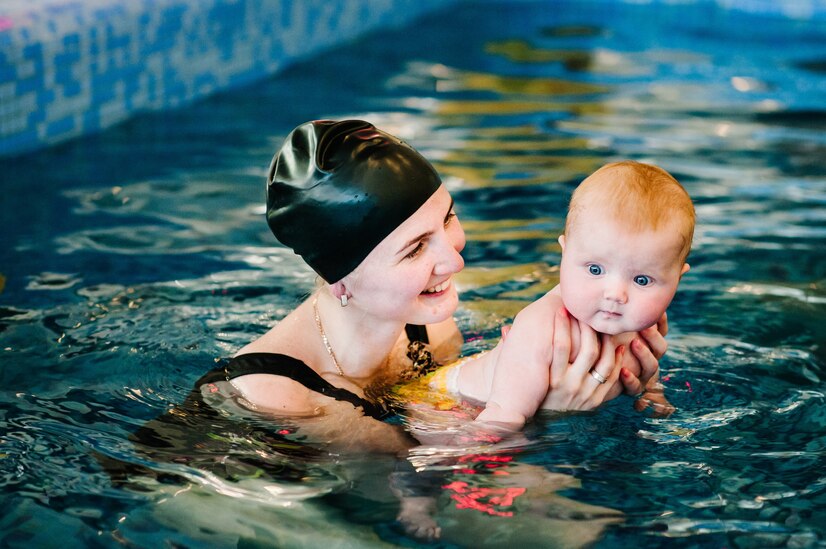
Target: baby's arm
521,374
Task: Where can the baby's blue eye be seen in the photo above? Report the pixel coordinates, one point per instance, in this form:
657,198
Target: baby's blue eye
595,269
642,280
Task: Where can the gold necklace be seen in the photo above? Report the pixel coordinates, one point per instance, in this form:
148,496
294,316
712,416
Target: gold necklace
324,338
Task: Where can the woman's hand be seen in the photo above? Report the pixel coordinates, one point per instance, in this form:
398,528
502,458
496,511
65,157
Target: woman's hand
585,383
646,351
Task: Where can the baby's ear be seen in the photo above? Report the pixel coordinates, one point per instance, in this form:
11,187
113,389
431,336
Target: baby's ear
561,241
686,268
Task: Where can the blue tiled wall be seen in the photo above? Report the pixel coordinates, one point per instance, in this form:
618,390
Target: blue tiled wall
69,67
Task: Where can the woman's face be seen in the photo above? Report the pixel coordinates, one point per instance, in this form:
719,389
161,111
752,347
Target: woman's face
408,277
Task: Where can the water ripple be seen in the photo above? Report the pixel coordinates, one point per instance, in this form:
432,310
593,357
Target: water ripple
155,269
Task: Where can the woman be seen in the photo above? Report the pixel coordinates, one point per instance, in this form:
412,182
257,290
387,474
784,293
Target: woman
370,215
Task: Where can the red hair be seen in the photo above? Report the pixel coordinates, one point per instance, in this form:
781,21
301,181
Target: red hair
642,196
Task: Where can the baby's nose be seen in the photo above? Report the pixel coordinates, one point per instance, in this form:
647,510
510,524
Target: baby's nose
615,290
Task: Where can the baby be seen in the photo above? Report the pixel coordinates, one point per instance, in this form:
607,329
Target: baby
627,236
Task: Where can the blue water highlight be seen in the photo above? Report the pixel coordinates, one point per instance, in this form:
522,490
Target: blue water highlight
133,259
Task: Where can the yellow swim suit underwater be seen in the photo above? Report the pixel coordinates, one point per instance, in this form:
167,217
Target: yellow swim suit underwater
439,388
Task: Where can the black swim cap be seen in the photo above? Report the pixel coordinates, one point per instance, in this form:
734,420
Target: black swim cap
336,189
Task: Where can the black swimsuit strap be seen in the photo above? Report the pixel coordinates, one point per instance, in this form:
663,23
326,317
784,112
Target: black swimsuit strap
416,332
292,368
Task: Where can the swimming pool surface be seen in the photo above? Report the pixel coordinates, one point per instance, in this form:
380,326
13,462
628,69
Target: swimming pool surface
132,260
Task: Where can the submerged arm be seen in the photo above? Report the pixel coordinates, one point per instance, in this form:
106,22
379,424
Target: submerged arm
321,421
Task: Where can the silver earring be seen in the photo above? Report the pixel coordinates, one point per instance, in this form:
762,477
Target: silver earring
343,300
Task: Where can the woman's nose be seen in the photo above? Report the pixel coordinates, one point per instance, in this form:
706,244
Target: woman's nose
457,234
450,260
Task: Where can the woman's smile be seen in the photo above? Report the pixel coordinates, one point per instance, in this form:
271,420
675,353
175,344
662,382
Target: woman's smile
438,289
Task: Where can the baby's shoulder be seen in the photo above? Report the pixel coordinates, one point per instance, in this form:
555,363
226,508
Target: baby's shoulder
543,309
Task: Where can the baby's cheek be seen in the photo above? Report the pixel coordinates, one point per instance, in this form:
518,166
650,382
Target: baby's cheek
647,319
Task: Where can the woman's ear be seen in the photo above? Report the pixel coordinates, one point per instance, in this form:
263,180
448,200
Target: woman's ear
561,241
338,289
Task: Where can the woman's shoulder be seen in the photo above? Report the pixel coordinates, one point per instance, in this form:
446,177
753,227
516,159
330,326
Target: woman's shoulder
280,394
282,384
272,381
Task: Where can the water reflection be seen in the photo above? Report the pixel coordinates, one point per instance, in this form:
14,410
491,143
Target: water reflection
599,61
123,287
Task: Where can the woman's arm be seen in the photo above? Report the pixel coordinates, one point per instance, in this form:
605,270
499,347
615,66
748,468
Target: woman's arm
320,421
340,428
343,428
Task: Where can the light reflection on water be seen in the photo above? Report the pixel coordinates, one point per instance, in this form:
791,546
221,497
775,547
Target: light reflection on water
148,258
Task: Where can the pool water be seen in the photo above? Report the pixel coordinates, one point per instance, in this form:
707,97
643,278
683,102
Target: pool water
132,260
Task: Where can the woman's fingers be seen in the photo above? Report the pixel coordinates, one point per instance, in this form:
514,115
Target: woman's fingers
589,352
648,363
655,341
606,371
631,383
594,373
594,370
662,324
562,347
603,369
590,380
654,336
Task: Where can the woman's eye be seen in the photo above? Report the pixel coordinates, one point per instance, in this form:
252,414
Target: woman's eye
642,280
419,247
595,269
449,218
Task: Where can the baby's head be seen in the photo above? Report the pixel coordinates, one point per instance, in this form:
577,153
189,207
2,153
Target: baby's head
627,237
